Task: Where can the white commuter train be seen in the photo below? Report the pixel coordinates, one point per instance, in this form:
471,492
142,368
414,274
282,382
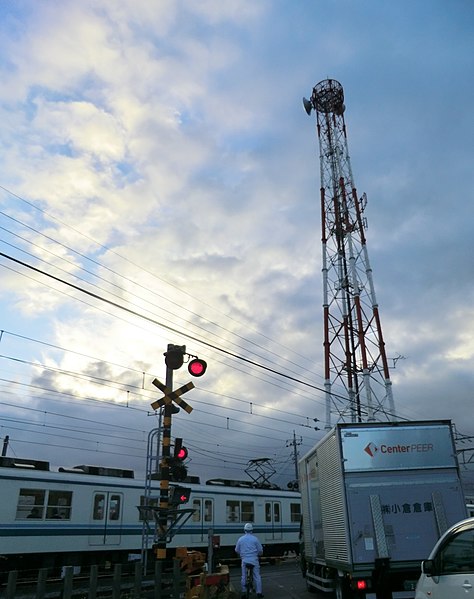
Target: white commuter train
89,514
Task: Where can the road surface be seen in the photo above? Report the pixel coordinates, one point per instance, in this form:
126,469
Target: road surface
280,581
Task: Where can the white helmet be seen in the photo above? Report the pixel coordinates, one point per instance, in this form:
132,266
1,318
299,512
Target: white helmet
248,527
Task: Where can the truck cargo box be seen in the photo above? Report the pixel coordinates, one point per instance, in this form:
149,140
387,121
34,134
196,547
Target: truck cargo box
377,491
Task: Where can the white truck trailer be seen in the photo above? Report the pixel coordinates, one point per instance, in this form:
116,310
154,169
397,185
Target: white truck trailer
375,499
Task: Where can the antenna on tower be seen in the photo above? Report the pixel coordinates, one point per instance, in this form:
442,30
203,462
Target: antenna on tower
354,348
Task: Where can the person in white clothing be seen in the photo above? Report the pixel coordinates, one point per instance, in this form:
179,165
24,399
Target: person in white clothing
249,549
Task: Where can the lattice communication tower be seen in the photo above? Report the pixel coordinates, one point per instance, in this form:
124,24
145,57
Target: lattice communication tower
357,379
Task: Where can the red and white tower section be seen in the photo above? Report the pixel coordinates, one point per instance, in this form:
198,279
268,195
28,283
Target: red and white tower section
357,378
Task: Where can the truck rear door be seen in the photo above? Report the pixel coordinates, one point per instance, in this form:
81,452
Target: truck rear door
400,515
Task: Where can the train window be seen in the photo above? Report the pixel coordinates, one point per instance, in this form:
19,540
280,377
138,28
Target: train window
276,512
152,502
240,511
197,510
114,507
59,505
98,509
247,511
268,512
208,510
233,511
272,511
30,504
295,512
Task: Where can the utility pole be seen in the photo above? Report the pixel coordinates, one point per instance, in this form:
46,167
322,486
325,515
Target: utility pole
5,445
294,443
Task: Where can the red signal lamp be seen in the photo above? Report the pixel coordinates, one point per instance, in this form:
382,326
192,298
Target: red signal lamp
197,367
361,585
179,495
182,453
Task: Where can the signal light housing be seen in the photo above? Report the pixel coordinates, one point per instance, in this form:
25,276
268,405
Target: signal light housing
179,495
178,471
197,367
174,357
180,452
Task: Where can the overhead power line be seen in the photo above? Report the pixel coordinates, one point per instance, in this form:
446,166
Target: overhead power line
127,260
160,324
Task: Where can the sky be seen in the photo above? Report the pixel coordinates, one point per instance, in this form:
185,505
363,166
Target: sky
159,172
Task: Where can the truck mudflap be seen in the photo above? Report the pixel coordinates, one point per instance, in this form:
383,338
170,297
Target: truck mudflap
387,583
381,578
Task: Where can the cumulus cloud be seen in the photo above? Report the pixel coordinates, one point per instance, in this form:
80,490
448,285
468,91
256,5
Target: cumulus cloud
158,158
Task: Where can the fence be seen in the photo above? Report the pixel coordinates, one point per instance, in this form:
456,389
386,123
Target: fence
164,583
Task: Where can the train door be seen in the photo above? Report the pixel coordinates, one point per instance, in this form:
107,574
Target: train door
273,527
106,518
202,519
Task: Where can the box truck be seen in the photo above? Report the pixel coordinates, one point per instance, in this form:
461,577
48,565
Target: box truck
375,499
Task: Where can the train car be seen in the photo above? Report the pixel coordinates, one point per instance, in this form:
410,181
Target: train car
89,514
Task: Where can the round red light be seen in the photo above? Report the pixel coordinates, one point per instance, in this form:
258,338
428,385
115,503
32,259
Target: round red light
197,367
182,453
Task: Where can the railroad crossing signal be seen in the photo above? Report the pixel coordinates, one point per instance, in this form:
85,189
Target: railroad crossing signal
170,396
174,359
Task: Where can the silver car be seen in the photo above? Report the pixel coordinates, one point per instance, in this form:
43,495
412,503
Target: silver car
449,571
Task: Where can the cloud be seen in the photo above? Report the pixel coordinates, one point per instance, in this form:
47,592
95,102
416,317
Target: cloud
168,166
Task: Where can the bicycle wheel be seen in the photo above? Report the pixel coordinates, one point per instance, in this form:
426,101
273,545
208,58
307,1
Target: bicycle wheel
248,581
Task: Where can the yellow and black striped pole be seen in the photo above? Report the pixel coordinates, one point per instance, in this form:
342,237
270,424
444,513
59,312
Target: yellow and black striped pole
160,548
166,402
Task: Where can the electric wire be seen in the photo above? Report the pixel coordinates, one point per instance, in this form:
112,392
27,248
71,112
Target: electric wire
231,354
134,264
249,362
125,278
111,384
50,238
160,324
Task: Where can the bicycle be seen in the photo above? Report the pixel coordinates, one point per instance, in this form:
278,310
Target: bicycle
249,588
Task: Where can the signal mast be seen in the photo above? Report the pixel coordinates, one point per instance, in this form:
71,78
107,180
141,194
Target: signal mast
357,379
